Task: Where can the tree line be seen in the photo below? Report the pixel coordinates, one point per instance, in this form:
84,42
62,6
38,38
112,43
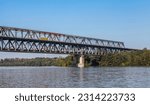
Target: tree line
36,62
130,58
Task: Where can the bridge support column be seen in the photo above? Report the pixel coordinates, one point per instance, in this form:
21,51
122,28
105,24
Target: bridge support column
81,61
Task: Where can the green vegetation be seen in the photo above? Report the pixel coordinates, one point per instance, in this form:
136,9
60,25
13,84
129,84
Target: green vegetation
37,62
132,58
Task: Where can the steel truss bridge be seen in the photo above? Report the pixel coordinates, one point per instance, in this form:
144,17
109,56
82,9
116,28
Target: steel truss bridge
32,41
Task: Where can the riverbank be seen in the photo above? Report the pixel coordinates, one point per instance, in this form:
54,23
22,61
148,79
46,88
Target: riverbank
132,58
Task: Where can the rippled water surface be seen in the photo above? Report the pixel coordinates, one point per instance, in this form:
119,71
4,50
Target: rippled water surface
97,77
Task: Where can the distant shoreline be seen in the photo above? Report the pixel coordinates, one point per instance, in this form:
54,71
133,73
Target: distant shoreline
122,59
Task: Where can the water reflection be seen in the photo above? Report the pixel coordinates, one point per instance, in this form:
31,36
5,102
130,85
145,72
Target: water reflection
81,74
39,77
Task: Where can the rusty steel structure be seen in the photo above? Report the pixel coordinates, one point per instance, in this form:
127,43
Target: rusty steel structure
32,41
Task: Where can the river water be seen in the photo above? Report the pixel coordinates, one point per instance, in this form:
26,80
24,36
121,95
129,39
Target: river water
73,77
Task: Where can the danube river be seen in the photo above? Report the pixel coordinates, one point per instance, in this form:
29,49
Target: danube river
72,77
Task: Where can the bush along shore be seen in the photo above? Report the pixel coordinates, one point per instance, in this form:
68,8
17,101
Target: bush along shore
131,58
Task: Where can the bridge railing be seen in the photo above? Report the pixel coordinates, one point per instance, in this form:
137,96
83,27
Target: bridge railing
56,37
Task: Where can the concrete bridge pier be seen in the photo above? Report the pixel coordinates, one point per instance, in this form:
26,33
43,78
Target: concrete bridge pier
81,61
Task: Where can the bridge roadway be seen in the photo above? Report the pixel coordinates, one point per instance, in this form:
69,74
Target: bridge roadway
33,41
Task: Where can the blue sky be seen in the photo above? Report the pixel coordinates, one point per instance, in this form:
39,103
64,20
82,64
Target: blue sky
121,20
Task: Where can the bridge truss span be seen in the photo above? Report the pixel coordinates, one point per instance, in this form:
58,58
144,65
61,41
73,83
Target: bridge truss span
50,36
25,40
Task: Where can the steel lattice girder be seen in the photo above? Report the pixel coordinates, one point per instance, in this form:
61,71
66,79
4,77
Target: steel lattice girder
37,46
24,40
32,34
